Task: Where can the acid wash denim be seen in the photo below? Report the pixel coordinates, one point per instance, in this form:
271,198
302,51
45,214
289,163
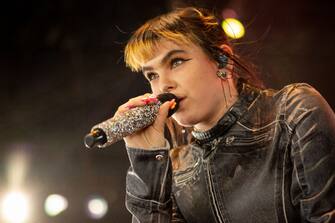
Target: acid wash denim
272,159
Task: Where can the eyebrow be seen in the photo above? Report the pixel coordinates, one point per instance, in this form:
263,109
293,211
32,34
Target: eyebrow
167,56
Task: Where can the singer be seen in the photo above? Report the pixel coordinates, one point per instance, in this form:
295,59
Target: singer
234,152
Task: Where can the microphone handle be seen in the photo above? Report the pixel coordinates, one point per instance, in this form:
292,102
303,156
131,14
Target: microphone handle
120,126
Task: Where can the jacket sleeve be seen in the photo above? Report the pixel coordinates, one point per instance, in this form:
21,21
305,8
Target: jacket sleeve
312,123
148,186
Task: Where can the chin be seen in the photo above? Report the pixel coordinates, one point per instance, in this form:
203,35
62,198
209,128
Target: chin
184,121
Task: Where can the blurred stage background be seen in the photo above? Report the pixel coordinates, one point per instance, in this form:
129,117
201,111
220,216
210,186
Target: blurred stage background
62,71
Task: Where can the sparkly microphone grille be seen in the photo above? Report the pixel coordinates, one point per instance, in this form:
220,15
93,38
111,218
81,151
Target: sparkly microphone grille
127,123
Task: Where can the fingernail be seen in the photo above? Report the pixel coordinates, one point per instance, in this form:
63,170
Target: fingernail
173,104
130,106
149,100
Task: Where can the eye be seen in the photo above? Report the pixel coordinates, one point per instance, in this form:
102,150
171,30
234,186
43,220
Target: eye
151,76
175,62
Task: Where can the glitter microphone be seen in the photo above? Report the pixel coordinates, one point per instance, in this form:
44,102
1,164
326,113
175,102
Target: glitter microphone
127,123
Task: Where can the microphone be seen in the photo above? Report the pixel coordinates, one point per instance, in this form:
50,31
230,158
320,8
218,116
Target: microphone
127,123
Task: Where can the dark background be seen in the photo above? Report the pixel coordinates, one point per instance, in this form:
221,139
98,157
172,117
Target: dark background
62,71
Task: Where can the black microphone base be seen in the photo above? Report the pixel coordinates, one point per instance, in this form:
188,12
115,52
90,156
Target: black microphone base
95,138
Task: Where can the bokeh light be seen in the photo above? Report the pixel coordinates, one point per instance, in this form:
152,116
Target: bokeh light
15,207
97,207
55,204
233,28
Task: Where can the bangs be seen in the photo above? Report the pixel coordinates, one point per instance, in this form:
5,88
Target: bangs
142,46
184,26
139,51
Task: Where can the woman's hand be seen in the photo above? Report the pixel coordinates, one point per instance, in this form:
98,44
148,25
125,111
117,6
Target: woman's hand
151,137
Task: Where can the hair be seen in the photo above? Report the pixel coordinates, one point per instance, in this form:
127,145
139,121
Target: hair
185,26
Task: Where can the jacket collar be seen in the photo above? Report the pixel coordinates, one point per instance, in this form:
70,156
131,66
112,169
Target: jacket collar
247,95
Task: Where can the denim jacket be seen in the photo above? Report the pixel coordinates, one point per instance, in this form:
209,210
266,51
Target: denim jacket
270,158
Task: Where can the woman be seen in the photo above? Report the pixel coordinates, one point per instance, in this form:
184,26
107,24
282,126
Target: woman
254,155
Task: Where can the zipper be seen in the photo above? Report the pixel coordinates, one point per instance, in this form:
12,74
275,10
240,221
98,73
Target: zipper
214,201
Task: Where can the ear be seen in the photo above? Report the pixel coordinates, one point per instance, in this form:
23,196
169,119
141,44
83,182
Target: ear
227,49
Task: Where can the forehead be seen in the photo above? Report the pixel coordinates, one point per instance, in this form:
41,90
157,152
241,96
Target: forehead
164,47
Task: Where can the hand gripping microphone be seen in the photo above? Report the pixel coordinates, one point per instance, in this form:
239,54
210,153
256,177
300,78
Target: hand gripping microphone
127,123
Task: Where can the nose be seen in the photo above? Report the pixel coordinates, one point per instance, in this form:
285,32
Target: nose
166,84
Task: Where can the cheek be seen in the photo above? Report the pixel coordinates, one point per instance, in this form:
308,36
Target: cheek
207,94
154,89
204,86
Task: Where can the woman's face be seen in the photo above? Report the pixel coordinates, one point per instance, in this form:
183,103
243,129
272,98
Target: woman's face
187,72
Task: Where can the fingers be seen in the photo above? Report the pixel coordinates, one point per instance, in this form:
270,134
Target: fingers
137,102
153,135
163,114
145,100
